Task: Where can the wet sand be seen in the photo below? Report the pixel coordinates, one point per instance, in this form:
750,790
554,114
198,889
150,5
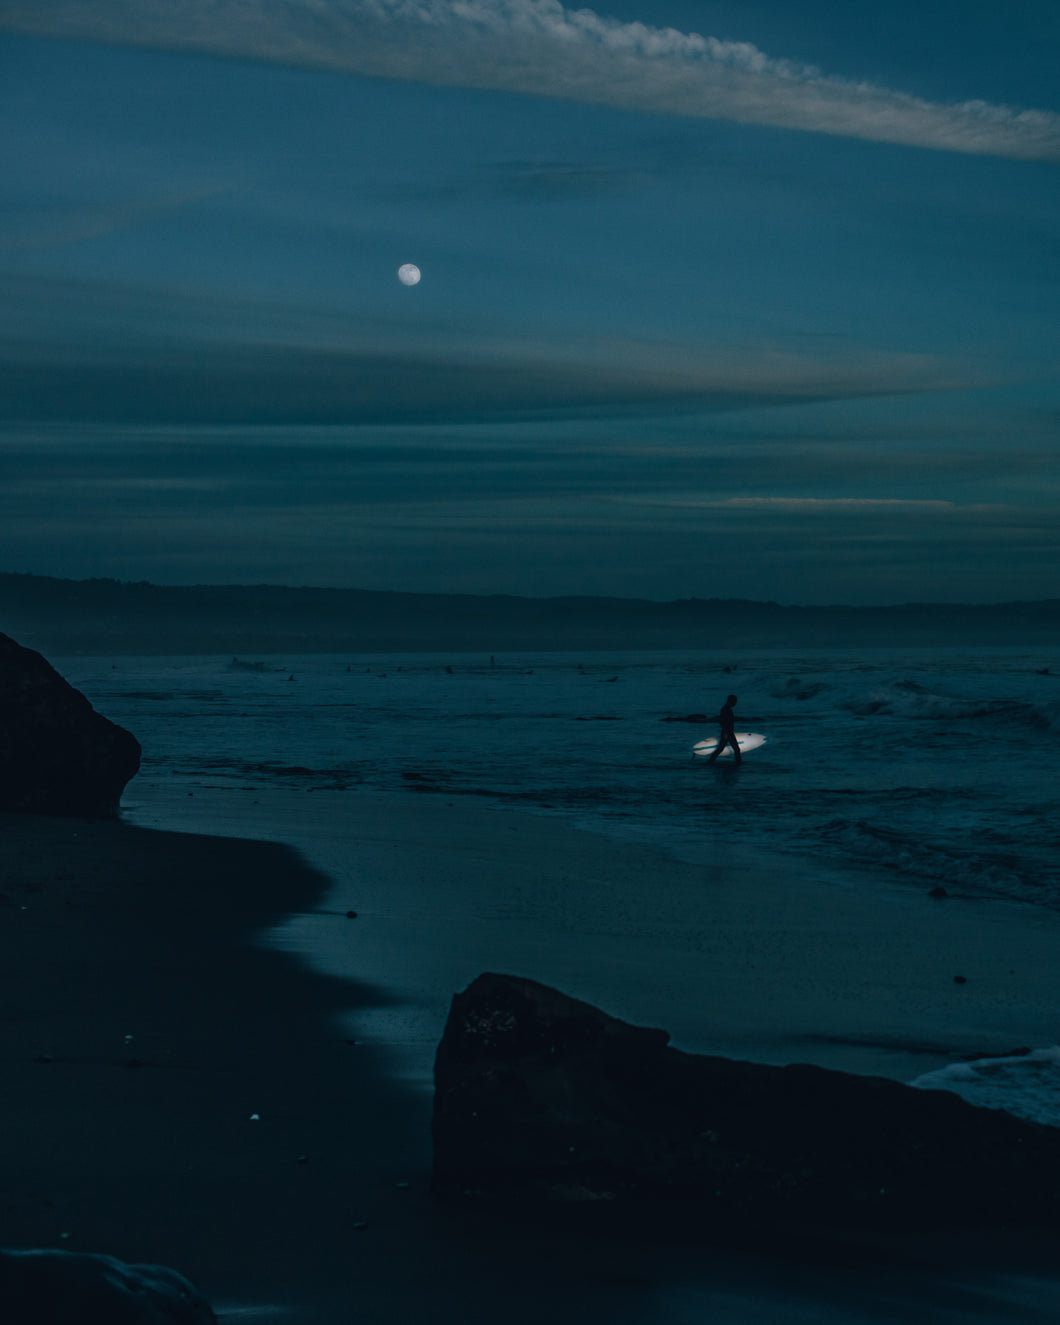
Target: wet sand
733,952
147,1149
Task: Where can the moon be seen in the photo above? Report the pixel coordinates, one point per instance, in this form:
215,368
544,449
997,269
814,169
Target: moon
409,274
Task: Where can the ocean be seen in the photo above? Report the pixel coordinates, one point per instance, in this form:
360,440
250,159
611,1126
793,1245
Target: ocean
933,768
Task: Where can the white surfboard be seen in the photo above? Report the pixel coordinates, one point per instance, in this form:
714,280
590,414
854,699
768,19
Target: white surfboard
745,740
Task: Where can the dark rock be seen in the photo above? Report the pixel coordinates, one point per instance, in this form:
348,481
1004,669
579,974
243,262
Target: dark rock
65,1288
960,979
938,891
539,1097
57,754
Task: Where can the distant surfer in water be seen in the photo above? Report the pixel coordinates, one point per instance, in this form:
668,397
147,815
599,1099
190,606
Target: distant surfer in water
727,719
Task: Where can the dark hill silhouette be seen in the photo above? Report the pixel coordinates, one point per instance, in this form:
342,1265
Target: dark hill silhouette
101,616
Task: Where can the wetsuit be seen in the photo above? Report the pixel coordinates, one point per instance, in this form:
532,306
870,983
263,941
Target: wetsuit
728,734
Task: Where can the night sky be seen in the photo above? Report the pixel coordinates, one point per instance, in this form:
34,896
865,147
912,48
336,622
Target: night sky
743,299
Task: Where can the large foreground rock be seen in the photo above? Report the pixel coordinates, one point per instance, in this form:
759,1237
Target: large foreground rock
64,1288
540,1096
57,754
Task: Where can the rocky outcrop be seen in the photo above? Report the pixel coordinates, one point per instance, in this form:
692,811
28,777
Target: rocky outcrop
57,754
66,1288
542,1097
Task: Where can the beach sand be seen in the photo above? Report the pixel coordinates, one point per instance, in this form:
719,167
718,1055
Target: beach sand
317,1209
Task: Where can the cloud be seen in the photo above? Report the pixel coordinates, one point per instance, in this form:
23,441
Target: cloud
275,384
541,48
86,350
490,510
527,181
192,381
823,504
555,179
57,226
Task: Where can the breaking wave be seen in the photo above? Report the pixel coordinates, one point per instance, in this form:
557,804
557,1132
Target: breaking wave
907,699
963,870
1025,1083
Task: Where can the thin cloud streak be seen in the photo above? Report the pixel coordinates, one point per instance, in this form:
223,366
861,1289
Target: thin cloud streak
807,505
830,503
273,385
58,226
162,355
539,47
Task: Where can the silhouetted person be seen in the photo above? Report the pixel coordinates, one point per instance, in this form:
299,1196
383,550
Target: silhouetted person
727,719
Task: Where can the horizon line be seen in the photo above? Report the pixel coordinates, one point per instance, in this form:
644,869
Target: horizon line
551,598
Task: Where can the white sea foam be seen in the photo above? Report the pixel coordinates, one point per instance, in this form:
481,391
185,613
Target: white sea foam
907,699
1027,1084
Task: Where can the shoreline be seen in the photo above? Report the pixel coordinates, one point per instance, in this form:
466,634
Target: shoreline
132,930
775,960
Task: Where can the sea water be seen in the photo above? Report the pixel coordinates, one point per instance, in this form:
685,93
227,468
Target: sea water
942,767
937,767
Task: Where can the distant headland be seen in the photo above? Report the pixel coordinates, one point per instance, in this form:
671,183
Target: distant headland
106,616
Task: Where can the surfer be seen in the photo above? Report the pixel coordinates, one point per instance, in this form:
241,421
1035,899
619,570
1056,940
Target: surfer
727,719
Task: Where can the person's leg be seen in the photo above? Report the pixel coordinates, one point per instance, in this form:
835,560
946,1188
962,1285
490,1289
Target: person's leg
731,741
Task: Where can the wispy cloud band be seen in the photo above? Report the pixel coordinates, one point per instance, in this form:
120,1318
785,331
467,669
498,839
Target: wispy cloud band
53,227
541,48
